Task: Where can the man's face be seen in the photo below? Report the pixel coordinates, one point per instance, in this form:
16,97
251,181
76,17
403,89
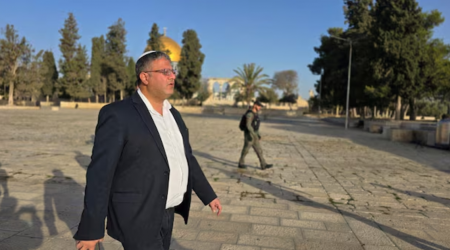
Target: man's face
257,108
159,79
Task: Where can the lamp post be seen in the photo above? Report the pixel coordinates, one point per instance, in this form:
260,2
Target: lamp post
348,83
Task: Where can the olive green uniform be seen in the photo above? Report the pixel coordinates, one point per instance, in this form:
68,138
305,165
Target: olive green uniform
251,139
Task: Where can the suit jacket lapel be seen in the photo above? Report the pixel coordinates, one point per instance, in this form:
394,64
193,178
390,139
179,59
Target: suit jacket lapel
147,118
181,126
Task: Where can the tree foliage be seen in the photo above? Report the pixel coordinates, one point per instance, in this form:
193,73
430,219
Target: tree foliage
394,58
188,78
286,81
49,74
30,77
154,41
115,59
250,79
13,52
74,63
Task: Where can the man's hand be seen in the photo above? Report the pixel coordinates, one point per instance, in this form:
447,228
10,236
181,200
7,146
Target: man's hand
87,244
215,206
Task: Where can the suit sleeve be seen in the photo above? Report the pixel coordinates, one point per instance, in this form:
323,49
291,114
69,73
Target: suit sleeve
200,184
108,144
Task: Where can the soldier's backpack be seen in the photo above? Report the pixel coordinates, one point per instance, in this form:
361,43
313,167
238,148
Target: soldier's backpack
243,122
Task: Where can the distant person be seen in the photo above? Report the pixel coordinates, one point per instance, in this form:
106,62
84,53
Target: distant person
250,125
142,169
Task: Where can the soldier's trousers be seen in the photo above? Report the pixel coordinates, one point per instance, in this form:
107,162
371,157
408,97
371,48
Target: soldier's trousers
249,142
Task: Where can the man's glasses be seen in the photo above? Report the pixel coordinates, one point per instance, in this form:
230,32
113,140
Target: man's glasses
165,72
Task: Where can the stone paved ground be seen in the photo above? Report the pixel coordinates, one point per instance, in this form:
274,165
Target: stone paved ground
329,189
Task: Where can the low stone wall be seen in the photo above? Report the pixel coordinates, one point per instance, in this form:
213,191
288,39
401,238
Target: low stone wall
414,125
81,105
18,107
421,137
352,122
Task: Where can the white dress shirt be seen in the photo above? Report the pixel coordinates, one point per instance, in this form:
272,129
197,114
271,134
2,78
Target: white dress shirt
173,146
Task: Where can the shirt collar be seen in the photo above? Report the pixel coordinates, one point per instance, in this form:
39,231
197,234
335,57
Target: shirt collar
166,104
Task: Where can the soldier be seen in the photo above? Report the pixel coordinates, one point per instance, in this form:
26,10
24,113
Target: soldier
250,125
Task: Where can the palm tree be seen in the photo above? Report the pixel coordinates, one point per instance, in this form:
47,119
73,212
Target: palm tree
250,79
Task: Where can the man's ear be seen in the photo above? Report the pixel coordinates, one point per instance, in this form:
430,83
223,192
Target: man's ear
144,78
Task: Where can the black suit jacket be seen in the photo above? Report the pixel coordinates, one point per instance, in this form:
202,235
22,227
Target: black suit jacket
128,177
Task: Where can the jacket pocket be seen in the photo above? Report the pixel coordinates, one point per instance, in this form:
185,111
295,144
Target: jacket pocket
126,197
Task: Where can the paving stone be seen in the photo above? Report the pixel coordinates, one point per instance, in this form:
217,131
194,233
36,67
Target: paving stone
340,237
218,237
188,245
273,212
366,247
276,231
325,217
341,227
321,245
369,233
237,247
266,241
236,227
303,224
255,219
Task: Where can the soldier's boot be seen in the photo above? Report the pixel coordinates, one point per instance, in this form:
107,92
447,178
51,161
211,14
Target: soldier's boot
242,166
267,166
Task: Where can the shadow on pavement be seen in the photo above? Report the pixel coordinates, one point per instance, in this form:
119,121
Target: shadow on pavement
264,186
16,223
428,197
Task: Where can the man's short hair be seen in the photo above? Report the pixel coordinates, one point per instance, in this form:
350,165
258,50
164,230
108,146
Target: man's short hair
146,59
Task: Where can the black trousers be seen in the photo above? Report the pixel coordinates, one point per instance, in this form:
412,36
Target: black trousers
166,228
165,233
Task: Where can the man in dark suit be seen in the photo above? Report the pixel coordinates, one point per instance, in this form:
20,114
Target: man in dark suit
142,169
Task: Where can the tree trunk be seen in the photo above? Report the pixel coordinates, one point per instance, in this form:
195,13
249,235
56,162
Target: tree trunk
374,114
121,94
11,93
337,110
47,98
412,105
96,98
405,111
398,108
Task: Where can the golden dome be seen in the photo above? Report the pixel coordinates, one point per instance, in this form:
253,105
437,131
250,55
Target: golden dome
173,47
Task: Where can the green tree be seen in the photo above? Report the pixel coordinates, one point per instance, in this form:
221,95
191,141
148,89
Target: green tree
398,44
286,81
50,75
190,65
74,63
116,68
12,50
131,72
154,42
269,96
30,77
79,85
97,80
332,65
203,93
250,79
